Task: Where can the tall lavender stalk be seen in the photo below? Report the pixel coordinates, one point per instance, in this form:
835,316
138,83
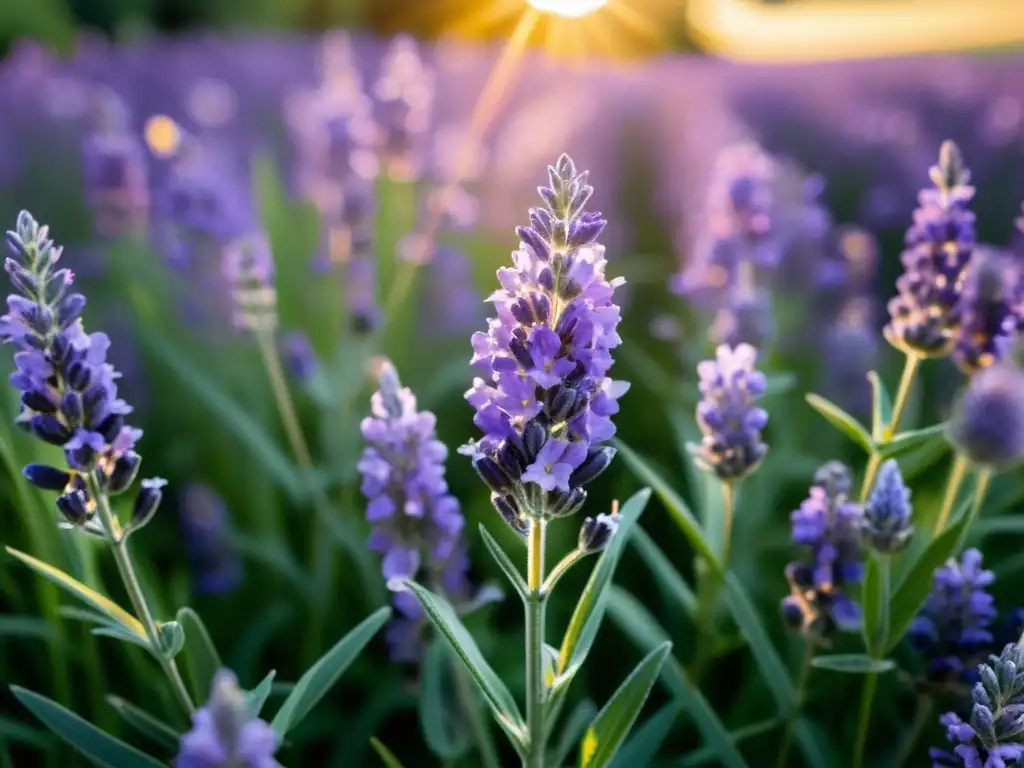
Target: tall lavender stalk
545,407
69,399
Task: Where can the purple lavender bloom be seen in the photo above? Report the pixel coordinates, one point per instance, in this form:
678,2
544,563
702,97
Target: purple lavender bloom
68,389
828,525
417,522
727,415
925,315
216,566
991,312
993,737
405,94
987,424
887,523
114,170
223,736
299,356
953,631
546,404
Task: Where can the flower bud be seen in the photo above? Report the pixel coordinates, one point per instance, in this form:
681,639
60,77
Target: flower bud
597,461
147,501
75,506
510,512
987,425
46,477
122,474
596,533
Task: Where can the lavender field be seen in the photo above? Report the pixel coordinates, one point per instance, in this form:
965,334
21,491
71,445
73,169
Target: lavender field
729,354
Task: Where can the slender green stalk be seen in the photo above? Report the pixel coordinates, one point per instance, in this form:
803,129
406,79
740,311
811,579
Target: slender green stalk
535,600
801,689
956,479
923,715
708,592
980,491
320,543
561,569
119,546
864,721
910,368
477,724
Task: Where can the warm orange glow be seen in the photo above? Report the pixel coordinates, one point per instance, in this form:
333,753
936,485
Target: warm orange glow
817,30
571,9
163,137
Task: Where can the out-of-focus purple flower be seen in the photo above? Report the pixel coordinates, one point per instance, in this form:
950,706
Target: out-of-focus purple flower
405,94
299,356
926,313
452,303
993,737
223,735
888,517
417,522
216,566
114,169
850,349
987,424
69,394
991,311
728,415
828,525
546,404
747,319
953,631
248,269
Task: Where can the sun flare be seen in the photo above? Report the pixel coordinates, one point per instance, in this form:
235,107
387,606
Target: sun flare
572,9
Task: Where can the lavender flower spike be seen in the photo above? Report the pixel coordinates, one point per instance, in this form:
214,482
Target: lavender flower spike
925,316
68,390
731,422
887,527
952,632
993,737
546,402
991,312
987,424
223,735
417,523
828,526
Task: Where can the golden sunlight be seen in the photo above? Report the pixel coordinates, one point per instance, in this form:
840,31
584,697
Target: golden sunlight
572,9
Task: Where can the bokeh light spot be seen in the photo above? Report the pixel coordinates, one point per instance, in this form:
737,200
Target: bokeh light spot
163,137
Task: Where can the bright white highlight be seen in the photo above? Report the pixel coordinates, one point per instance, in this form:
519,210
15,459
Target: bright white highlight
572,9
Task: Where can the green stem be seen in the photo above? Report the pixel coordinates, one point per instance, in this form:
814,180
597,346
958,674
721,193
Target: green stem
922,717
980,491
899,405
479,726
535,601
119,546
561,569
708,595
801,688
320,549
864,722
956,479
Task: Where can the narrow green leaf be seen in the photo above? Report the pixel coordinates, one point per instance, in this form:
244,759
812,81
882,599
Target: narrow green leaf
910,596
673,503
25,627
853,663
438,718
644,631
230,415
881,408
91,597
875,604
145,723
589,612
773,669
444,619
780,382
705,756
994,526
643,746
571,732
664,572
611,726
119,633
905,442
842,421
386,755
322,676
102,748
201,658
507,566
257,697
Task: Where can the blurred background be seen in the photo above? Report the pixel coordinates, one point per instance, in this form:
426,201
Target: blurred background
385,150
